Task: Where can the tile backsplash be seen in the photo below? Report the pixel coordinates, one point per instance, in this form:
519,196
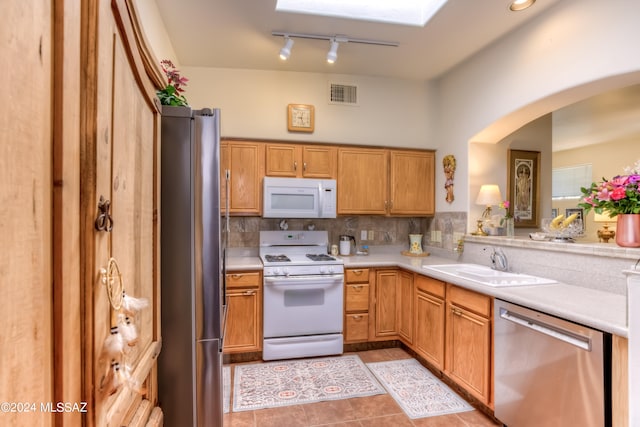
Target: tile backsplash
245,231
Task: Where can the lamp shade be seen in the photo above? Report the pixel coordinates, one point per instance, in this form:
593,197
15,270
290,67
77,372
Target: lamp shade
489,195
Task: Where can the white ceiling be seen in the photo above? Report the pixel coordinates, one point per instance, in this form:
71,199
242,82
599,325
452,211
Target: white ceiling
237,34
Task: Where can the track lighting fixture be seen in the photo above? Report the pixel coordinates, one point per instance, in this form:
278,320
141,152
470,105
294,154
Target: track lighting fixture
517,5
332,55
286,49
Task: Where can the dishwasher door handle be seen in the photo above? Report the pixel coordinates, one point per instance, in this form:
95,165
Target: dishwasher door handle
549,330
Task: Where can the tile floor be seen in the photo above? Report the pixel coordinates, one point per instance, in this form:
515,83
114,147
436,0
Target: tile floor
373,411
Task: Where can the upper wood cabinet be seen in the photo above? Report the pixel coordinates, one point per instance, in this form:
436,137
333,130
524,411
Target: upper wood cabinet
411,182
245,162
362,181
386,182
301,161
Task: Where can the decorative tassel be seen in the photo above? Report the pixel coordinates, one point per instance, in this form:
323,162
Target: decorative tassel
127,330
125,373
113,344
112,381
132,305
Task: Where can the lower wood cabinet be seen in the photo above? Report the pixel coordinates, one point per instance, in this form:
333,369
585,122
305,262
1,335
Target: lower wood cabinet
429,309
356,305
405,306
386,298
468,341
244,312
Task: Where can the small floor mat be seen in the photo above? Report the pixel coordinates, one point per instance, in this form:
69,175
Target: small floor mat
417,391
293,382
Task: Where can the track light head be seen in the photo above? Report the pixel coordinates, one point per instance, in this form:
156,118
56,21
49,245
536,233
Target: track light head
332,55
286,49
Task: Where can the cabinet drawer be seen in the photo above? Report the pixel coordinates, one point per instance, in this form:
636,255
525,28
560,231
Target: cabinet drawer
357,297
356,275
356,327
243,279
478,303
430,286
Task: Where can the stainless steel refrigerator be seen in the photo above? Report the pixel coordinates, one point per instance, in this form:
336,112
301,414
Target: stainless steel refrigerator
192,268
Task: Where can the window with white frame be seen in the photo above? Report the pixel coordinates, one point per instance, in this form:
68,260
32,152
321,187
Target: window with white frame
567,181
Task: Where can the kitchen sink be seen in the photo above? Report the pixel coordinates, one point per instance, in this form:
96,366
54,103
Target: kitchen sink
488,276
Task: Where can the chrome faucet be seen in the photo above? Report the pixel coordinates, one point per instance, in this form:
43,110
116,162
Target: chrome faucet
498,259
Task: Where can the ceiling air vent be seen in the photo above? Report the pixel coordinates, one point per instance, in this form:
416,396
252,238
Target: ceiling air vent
343,94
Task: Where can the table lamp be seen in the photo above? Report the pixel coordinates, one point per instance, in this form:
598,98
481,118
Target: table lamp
488,196
604,234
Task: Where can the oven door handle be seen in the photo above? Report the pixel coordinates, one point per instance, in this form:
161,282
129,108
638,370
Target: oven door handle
320,281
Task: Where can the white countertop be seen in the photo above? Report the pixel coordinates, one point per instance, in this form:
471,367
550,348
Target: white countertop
598,309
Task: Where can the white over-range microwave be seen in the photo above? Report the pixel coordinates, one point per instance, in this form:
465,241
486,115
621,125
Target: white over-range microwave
299,198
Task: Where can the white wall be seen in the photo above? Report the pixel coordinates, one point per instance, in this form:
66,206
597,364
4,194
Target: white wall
576,49
154,30
391,112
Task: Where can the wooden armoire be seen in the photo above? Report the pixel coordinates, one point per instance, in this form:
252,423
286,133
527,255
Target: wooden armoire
78,154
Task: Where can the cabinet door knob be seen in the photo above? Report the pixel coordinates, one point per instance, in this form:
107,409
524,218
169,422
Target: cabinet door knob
304,166
356,317
456,311
249,292
357,287
295,166
236,276
357,272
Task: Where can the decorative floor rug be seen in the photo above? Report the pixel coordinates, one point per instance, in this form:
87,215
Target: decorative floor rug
293,382
418,392
226,388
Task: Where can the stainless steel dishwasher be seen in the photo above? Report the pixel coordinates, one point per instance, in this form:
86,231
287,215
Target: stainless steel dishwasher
549,371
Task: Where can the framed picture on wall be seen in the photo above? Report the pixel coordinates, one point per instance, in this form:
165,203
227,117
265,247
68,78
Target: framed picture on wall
523,183
570,211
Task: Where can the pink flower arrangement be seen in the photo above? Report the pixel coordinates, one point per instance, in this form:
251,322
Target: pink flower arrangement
172,94
619,195
505,205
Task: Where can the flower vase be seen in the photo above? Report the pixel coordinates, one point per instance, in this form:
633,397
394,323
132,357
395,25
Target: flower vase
509,226
628,230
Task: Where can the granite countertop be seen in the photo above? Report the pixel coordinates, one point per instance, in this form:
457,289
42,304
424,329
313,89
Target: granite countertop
594,308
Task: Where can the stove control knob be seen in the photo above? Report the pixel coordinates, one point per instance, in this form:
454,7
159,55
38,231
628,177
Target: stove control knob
323,269
285,271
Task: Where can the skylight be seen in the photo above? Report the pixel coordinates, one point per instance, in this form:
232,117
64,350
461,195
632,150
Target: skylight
404,12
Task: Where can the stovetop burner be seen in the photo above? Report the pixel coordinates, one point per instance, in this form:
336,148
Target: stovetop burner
320,257
277,258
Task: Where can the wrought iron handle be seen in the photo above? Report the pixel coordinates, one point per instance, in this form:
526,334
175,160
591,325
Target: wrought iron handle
104,222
